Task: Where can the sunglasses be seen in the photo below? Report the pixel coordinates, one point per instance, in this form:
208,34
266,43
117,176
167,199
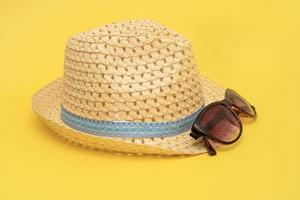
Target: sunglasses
219,121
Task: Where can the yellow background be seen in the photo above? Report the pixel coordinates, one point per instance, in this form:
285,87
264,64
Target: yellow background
251,46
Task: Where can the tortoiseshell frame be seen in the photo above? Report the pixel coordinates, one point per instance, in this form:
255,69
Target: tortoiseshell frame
197,131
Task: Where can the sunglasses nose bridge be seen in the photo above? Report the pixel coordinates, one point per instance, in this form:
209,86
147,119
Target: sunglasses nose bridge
227,103
240,112
242,107
235,109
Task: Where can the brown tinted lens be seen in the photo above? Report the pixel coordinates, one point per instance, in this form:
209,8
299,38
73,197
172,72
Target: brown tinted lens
220,123
239,102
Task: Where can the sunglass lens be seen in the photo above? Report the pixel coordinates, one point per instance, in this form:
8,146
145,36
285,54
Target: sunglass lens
240,102
220,123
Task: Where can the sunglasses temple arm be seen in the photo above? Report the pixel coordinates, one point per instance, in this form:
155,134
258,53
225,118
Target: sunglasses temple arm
211,150
195,136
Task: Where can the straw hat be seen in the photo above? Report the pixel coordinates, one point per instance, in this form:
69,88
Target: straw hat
131,86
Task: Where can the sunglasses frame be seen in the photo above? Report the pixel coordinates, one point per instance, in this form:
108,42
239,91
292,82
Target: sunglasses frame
234,109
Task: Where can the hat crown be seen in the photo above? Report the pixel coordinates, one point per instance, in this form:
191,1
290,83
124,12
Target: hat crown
131,71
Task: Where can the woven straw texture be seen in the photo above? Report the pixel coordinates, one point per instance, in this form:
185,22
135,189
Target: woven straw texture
136,71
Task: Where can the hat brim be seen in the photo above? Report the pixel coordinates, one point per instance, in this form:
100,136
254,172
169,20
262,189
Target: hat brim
47,104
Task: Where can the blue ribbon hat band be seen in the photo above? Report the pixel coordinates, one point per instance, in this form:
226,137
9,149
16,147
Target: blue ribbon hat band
128,129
